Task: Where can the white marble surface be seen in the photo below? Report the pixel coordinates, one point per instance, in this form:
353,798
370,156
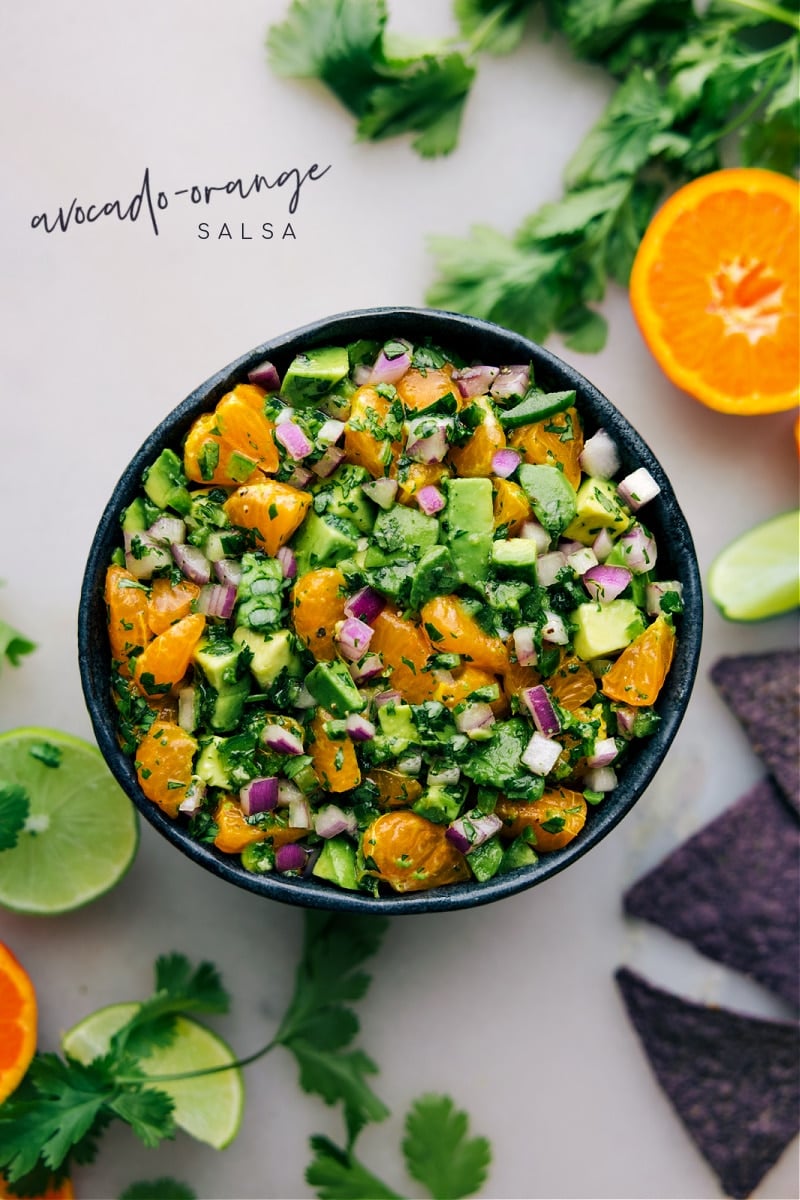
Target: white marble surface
106,328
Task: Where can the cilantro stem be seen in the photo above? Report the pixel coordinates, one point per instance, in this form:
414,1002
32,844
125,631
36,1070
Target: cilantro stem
772,12
485,29
144,1080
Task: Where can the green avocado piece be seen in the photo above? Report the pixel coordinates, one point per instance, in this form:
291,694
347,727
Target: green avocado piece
312,374
331,686
272,653
518,854
165,483
337,863
341,495
438,804
226,711
535,407
406,531
551,494
597,507
210,767
435,575
604,628
485,861
498,762
468,523
397,721
139,515
219,661
323,541
516,555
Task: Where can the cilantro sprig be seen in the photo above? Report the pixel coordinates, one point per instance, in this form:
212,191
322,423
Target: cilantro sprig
15,807
13,645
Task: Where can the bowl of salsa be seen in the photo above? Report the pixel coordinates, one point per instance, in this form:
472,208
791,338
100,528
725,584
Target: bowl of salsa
395,613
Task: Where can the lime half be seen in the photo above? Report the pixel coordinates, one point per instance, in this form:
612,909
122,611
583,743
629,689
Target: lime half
208,1107
758,575
81,832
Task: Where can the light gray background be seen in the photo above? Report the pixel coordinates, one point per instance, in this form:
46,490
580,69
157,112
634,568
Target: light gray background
510,1008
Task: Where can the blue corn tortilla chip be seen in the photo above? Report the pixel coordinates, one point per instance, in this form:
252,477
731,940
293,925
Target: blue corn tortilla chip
733,1080
732,891
763,691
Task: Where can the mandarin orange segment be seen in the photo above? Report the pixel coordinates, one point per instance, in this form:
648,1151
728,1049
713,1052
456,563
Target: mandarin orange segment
715,289
205,459
165,660
274,511
572,683
475,457
452,630
560,809
363,445
516,677
396,790
163,764
512,508
419,389
465,681
405,648
638,674
412,854
417,476
18,1017
246,429
333,759
555,441
233,832
318,600
126,602
170,602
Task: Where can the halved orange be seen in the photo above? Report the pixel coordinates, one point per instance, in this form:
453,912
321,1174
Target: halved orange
715,290
17,1022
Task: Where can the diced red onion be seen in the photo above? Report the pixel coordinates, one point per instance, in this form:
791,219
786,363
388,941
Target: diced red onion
192,563
369,667
259,795
288,560
304,699
361,374
600,456
299,816
359,728
167,530
475,719
545,717
603,544
639,548
600,779
524,647
569,547
655,593
330,431
638,488
330,460
300,477
554,629
195,795
604,752
548,566
626,717
293,439
410,765
430,500
365,604
381,491
288,792
472,830
282,740
389,370
265,375
331,820
447,777
290,858
511,381
475,381
582,560
534,532
447,678
352,638
429,447
505,462
187,711
151,557
286,414
604,583
217,600
541,754
388,697
228,570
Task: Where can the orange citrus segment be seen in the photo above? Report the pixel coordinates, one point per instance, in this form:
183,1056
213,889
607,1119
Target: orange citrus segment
715,288
17,1022
334,759
412,854
126,601
318,600
638,674
166,659
164,765
274,511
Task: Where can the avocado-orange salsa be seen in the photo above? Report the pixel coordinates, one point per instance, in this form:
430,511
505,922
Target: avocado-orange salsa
391,621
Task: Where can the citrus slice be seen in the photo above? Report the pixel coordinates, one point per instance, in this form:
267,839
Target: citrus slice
758,575
17,1022
714,288
81,832
208,1107
54,1191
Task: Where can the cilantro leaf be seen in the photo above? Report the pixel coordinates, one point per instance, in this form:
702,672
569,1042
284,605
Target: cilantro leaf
438,1152
338,1175
148,1111
496,26
158,1189
13,645
427,99
15,806
180,988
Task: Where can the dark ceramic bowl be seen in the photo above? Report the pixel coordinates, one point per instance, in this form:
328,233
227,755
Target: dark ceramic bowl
476,341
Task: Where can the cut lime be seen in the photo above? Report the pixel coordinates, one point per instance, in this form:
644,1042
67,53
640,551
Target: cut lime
81,832
758,575
208,1107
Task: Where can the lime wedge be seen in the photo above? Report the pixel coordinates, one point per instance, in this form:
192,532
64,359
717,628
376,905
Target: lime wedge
81,832
208,1107
758,575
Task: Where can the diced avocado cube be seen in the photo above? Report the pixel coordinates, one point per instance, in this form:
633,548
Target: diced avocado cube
323,541
438,804
406,531
226,711
535,407
219,661
165,483
210,767
605,628
272,653
331,686
518,854
597,507
139,515
341,495
337,863
397,721
484,861
312,374
468,524
389,575
259,858
551,494
515,555
435,575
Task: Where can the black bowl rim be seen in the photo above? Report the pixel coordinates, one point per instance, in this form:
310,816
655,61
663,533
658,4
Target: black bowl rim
453,330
